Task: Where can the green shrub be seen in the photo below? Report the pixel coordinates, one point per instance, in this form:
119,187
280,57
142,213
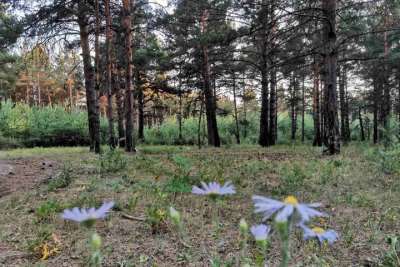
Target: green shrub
167,133
45,126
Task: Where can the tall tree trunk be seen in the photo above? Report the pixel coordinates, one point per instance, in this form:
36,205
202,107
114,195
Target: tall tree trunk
316,106
212,127
237,133
331,125
244,99
110,65
121,109
272,109
342,97
91,95
180,115
199,126
376,102
293,106
263,48
398,100
303,109
127,20
386,107
346,108
140,96
362,132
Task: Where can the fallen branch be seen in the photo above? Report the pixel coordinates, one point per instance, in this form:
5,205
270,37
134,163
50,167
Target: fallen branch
129,217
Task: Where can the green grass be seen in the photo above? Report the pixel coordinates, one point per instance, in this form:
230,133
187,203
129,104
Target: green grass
361,197
42,151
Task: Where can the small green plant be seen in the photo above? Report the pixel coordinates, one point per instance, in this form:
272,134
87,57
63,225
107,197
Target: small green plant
181,182
47,210
62,180
392,256
293,178
389,159
328,171
42,235
183,166
132,202
85,199
178,185
156,216
112,161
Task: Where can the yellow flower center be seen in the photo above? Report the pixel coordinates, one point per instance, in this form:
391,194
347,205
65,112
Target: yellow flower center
291,200
318,230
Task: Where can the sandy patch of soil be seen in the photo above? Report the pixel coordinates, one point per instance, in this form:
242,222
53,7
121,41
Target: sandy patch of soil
24,174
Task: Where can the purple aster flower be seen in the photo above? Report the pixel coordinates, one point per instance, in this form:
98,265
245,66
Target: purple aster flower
83,215
320,234
214,188
285,209
260,232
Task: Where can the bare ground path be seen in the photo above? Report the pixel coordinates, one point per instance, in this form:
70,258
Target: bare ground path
21,175
24,174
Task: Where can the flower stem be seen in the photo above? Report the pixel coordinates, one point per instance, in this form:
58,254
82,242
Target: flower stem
284,231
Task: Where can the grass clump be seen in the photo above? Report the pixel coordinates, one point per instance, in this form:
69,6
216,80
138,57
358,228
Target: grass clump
112,160
63,179
47,210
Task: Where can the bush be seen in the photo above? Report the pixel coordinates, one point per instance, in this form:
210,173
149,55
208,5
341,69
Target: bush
44,126
167,133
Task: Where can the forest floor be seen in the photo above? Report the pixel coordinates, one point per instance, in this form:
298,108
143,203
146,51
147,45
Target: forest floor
37,184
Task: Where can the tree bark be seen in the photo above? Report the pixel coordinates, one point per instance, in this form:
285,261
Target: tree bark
140,97
386,107
331,126
110,64
376,100
127,20
303,110
343,110
212,127
362,132
263,47
273,109
120,109
199,125
237,133
91,95
293,106
398,101
180,115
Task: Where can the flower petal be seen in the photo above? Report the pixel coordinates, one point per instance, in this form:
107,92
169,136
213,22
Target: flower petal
306,212
285,213
197,190
331,236
101,212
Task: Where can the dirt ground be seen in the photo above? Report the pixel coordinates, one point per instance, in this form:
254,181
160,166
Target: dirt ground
28,173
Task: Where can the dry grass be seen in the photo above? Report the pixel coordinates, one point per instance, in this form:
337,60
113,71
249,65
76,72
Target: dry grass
363,202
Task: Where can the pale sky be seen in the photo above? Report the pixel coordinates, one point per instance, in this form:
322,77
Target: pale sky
161,2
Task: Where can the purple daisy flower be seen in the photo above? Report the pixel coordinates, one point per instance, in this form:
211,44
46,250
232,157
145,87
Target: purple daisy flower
320,234
214,188
83,215
260,232
285,209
